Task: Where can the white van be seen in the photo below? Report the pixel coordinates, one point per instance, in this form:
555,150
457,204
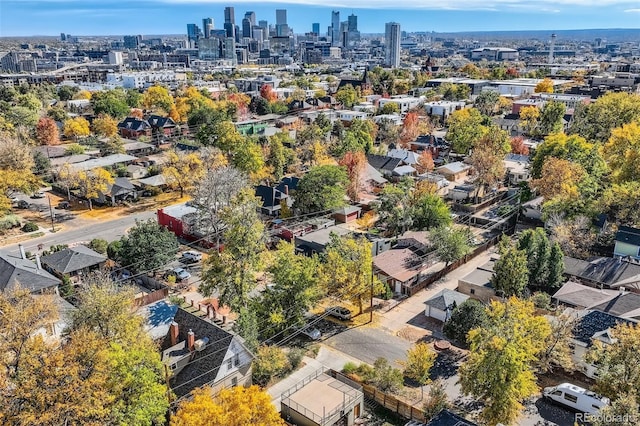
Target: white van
576,398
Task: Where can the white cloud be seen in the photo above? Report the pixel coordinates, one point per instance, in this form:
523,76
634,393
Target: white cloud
632,11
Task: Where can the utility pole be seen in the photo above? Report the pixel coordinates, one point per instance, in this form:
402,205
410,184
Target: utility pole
371,296
53,228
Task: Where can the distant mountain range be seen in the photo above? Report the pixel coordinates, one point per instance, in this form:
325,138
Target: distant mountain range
608,34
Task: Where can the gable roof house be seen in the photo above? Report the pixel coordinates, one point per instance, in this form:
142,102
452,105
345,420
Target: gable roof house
579,296
73,261
384,164
198,352
132,127
20,271
604,272
592,326
273,196
400,269
454,171
161,125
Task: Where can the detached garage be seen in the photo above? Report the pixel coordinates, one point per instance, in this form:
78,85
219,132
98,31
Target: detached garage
442,304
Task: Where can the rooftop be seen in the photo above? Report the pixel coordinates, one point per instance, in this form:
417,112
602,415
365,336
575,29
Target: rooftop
323,236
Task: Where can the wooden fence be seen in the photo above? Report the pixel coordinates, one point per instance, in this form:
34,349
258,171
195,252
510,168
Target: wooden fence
388,401
430,279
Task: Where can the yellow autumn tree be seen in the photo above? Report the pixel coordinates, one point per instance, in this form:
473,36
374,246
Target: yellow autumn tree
529,116
158,98
238,406
82,94
622,153
105,125
559,179
420,359
183,170
76,127
545,86
93,182
501,364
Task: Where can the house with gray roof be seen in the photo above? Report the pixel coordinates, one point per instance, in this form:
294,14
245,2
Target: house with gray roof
603,272
74,262
477,283
442,304
18,271
454,171
197,351
579,296
592,326
623,305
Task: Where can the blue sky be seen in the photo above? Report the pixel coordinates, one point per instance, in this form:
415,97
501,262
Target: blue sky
111,17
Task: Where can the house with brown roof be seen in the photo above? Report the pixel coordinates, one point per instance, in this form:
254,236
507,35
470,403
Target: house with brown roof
400,269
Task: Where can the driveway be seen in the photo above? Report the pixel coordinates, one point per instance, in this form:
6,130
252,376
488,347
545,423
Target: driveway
368,344
413,308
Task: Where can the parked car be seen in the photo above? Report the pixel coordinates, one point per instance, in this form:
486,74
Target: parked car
311,332
39,194
339,312
576,398
192,256
22,204
180,273
63,205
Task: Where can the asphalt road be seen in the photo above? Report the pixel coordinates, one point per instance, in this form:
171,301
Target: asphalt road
108,230
368,344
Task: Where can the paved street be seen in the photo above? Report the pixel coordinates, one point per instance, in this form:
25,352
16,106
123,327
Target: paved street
108,230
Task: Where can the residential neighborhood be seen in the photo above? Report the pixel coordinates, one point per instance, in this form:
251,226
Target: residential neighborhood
256,225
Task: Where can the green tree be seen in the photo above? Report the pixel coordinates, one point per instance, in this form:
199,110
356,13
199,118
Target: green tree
465,317
430,211
295,290
551,118
618,363
322,188
386,377
347,96
622,203
147,246
450,243
487,101
500,368
420,359
347,270
232,271
112,103
510,274
277,158
394,207
99,245
465,129
389,108
248,158
595,121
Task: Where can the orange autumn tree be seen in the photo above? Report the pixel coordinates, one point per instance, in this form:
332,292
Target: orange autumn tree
47,132
355,163
410,128
518,146
268,93
237,406
425,162
560,179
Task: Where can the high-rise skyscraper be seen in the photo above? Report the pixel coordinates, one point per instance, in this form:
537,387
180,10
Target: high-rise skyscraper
392,44
315,27
282,29
335,28
207,26
247,28
193,34
251,16
352,21
229,21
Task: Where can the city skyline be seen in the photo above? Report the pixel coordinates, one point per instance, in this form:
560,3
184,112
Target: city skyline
92,17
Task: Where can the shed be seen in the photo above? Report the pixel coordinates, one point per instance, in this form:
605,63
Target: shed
442,304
